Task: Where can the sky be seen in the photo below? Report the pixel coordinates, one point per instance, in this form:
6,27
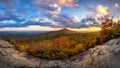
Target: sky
55,14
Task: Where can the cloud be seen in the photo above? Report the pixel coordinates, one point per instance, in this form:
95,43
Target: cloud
48,7
103,10
61,3
100,11
10,15
57,11
11,23
62,20
37,23
68,3
75,19
88,22
65,20
116,5
54,6
9,18
53,9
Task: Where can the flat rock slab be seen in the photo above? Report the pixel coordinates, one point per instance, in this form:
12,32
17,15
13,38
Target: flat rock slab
5,44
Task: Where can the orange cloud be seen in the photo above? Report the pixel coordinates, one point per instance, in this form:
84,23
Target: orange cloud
66,2
103,10
69,3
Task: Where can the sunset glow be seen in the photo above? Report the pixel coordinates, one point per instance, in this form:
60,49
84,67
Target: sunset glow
30,28
90,29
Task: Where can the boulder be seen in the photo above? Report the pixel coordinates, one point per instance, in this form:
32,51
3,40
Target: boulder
11,57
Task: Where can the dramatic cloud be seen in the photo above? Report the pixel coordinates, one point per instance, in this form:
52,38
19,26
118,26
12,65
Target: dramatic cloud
65,20
54,6
56,13
53,9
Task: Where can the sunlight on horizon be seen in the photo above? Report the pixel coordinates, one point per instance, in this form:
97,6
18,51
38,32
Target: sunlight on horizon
42,28
89,29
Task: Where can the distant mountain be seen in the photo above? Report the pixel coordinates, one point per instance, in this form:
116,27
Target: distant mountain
39,35
61,32
19,33
34,33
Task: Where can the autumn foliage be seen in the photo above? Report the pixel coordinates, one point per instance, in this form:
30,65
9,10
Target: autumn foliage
58,48
54,47
64,43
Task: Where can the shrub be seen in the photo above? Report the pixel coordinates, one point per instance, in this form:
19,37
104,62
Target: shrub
116,31
61,55
23,47
109,33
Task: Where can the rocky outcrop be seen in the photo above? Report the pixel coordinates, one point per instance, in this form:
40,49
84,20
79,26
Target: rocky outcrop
101,56
11,57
